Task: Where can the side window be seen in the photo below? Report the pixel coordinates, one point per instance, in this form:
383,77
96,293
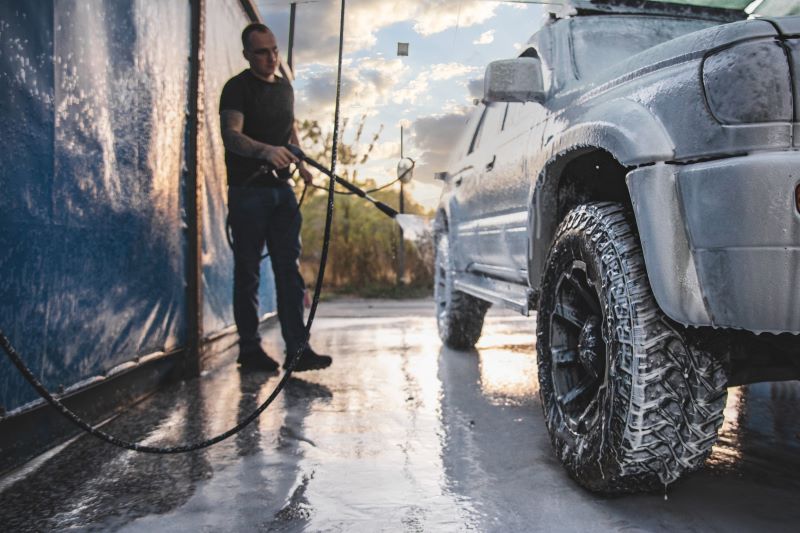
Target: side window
490,125
515,114
474,142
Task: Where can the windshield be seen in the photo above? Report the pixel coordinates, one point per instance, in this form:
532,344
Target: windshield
759,7
753,7
597,44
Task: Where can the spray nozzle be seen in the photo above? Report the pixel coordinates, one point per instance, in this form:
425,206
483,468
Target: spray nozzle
298,153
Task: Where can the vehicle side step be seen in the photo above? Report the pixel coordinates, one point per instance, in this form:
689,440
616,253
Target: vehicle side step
511,295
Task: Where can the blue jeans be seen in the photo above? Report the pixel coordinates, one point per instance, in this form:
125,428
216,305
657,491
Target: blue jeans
260,215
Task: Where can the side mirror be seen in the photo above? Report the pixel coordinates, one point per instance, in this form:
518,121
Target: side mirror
405,169
514,80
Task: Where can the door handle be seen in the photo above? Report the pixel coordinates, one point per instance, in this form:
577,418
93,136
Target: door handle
490,164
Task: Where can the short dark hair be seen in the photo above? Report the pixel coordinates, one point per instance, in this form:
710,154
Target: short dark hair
253,27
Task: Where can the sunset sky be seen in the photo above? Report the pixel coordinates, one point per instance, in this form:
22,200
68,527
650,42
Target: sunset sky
430,92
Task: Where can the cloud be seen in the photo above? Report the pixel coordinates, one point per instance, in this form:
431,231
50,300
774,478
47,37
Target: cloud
452,106
439,72
413,90
435,16
426,193
316,38
445,71
385,150
475,88
485,38
366,84
317,24
435,137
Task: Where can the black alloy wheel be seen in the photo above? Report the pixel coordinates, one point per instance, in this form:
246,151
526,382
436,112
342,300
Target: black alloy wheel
630,402
578,347
459,316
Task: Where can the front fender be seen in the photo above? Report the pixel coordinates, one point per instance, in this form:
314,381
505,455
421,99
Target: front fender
623,128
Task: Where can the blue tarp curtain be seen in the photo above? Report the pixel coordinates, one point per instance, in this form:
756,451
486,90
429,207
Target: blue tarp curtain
94,100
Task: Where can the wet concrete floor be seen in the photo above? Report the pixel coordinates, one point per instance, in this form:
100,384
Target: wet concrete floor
399,434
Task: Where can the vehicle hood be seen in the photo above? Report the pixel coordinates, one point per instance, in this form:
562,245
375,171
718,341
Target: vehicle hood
691,46
788,26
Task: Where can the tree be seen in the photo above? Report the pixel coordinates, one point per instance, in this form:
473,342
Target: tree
363,240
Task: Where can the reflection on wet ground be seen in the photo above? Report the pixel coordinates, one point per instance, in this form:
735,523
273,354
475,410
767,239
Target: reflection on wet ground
399,435
761,429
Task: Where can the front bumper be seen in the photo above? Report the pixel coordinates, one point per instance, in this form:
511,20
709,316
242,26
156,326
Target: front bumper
721,240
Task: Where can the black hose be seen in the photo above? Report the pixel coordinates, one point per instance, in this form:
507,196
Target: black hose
75,419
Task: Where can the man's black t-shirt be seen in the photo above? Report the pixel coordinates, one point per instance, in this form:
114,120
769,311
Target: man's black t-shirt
268,110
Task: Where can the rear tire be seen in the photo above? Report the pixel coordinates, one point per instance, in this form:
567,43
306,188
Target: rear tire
459,316
629,404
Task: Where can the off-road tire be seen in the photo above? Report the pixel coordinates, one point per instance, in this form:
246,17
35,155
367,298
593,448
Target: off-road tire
459,316
659,400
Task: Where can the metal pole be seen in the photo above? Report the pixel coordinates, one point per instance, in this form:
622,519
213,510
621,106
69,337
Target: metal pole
192,363
292,12
401,248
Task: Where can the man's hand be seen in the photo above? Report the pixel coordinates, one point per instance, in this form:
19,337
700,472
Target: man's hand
305,174
278,156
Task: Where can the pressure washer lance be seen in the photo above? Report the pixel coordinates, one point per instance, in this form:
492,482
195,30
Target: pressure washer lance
299,154
411,224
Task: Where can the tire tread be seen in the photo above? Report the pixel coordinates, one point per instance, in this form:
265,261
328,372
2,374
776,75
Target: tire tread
666,398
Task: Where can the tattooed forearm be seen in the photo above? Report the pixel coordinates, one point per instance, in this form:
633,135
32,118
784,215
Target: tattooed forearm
236,141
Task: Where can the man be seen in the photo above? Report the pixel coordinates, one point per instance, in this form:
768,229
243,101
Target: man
257,117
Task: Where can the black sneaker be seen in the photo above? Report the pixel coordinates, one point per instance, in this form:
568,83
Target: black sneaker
256,359
310,360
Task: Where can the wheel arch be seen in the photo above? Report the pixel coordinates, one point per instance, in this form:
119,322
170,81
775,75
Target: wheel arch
617,136
573,177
